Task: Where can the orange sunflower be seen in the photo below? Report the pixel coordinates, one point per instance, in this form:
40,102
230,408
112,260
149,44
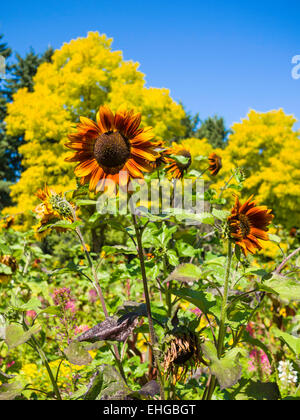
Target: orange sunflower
248,224
52,208
178,160
215,163
115,143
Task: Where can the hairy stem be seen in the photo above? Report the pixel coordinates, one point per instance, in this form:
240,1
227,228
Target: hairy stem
148,305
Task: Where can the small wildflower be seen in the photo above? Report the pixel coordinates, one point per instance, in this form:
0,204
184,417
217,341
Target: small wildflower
287,375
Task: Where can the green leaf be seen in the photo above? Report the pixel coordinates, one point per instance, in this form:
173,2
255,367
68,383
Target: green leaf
172,257
259,391
10,391
220,214
274,238
18,305
15,335
113,387
51,310
292,342
287,288
204,301
227,370
187,273
77,354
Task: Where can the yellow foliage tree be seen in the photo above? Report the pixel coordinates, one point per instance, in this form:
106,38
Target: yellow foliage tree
84,74
268,148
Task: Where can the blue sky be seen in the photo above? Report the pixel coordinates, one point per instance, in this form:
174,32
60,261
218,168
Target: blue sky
217,57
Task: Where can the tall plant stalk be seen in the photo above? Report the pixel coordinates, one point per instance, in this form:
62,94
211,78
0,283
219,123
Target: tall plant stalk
222,328
138,235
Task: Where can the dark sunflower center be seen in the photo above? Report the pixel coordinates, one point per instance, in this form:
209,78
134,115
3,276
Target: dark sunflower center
244,225
184,165
111,151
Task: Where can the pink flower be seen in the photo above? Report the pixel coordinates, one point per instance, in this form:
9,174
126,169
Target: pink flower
61,296
10,364
93,295
196,311
31,314
259,361
81,329
71,306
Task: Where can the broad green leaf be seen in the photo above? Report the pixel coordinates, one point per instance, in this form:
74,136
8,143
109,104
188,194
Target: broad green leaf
18,305
220,214
259,391
15,335
288,289
113,386
292,342
172,257
10,391
205,301
186,273
77,354
227,370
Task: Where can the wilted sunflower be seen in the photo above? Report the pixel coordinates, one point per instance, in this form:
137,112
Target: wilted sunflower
178,160
182,352
215,163
115,143
248,224
52,209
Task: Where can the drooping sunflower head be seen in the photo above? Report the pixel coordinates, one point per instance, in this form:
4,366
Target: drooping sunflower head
53,207
182,352
248,225
115,143
215,163
178,160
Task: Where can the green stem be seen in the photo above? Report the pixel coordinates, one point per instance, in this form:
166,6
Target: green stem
148,305
222,328
40,351
167,288
100,294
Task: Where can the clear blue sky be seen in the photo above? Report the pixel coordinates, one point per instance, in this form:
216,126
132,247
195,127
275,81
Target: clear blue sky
221,57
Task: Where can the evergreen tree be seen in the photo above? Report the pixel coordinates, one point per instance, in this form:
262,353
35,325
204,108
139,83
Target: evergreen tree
19,75
6,171
214,130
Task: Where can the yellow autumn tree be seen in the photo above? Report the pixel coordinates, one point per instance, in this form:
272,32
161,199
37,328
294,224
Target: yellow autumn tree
267,146
83,75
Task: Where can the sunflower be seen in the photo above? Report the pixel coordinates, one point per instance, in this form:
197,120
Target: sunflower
114,144
182,352
53,207
248,224
178,160
215,163
160,158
